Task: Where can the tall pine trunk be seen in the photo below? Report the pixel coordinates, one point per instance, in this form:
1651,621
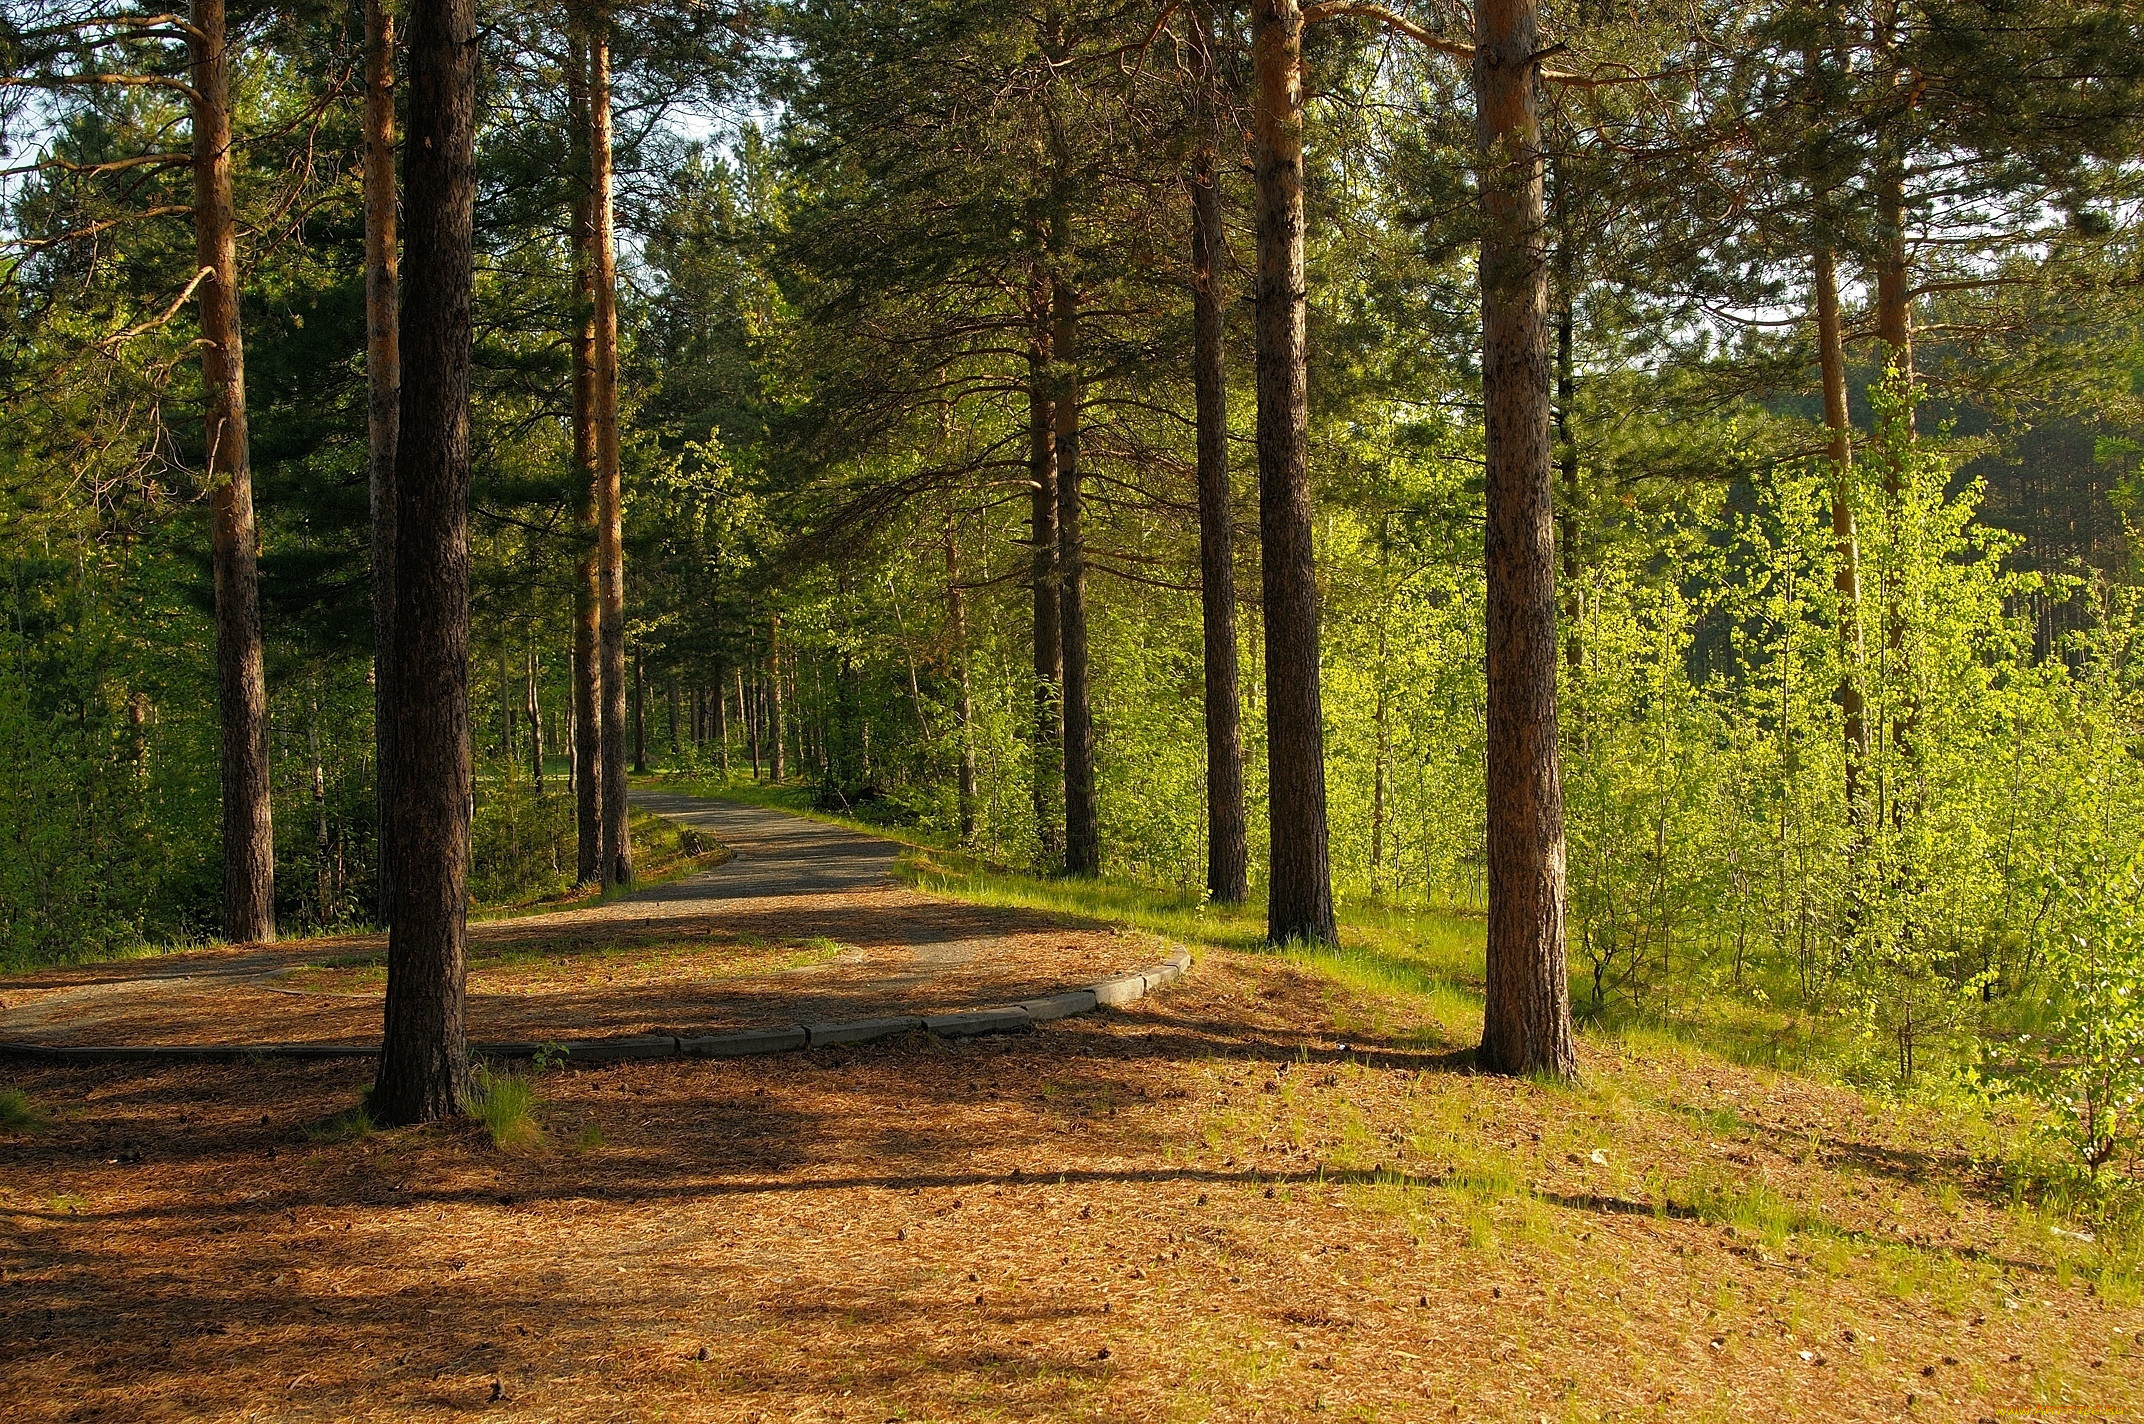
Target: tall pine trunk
1527,1025
610,519
383,382
1227,840
587,669
241,674
1042,575
1083,832
424,1061
1300,901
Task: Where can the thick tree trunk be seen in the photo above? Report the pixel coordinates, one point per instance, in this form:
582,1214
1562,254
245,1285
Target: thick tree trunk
241,676
777,760
1083,832
587,667
383,381
1042,536
424,1062
956,622
610,520
1846,578
1227,840
1300,900
1527,1027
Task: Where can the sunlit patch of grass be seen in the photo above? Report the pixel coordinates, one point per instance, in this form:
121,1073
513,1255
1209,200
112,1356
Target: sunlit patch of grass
505,1103
17,1112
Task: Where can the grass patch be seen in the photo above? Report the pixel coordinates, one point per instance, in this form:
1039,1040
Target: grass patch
505,1103
350,1125
17,1112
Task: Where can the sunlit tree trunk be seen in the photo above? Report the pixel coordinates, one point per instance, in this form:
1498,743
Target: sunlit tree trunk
610,518
1300,900
241,674
1227,841
424,1063
383,382
1527,1019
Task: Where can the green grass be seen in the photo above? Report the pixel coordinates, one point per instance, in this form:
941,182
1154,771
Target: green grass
505,1103
17,1112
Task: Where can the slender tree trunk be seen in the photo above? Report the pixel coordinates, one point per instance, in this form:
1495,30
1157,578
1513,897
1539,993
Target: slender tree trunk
640,716
1042,535
424,1062
610,523
587,667
1300,900
241,676
777,763
323,894
676,747
1527,1027
1846,579
956,623
1227,839
722,722
1083,833
535,713
383,381
750,715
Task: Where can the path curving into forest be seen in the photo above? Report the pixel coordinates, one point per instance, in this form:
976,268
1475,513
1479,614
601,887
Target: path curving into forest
805,923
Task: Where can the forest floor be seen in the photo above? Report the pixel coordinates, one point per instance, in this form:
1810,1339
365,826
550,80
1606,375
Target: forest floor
1273,1190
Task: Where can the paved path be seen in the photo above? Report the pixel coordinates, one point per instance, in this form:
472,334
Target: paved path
715,951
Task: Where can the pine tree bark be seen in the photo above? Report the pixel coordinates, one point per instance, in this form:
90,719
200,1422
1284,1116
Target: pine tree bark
1527,1026
1047,759
1083,832
610,519
1227,839
424,1063
383,382
1300,899
587,667
1846,577
241,676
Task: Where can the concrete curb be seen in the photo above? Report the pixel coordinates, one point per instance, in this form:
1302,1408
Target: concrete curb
785,1038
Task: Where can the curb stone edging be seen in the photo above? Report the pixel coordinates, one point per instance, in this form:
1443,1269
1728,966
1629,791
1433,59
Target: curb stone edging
1114,992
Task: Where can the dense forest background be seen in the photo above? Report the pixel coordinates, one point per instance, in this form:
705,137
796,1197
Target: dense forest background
834,218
